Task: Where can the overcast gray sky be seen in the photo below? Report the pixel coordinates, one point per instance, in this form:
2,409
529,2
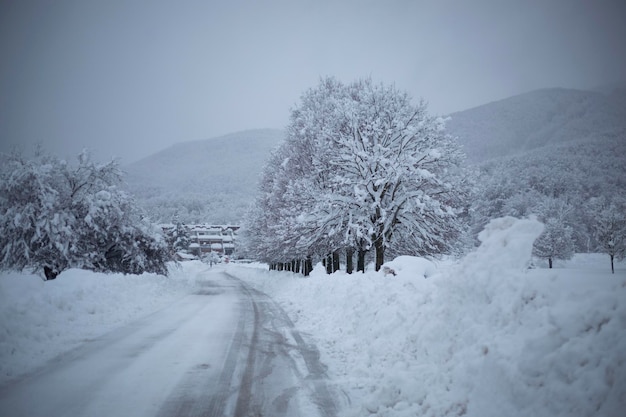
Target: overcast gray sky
127,78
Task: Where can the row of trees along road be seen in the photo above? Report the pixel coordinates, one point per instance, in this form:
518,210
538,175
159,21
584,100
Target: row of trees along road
361,168
55,216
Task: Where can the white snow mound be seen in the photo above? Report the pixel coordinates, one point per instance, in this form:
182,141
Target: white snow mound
507,242
412,266
39,320
485,337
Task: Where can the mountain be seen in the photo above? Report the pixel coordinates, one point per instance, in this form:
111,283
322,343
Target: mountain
210,180
540,118
559,154
214,180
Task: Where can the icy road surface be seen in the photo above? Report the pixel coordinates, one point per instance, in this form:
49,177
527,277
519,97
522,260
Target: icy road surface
228,350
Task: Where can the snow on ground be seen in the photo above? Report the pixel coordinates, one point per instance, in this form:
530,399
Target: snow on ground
484,336
39,320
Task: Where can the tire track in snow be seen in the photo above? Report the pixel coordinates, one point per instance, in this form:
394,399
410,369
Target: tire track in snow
283,373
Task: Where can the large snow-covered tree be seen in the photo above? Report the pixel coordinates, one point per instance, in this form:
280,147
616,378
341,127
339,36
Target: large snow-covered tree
54,216
363,167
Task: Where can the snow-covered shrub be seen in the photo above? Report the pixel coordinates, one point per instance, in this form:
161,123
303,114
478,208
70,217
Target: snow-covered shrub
55,216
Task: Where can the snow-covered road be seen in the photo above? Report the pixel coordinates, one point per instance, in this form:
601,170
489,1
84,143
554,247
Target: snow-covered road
226,350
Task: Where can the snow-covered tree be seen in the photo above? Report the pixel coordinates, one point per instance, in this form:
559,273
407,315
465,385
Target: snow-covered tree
32,229
55,216
143,250
211,258
361,168
610,228
395,173
557,239
555,242
178,239
263,227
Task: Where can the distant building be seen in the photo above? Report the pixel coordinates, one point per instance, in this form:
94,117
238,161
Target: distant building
204,239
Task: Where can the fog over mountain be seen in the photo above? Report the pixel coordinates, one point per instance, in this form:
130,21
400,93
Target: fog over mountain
214,180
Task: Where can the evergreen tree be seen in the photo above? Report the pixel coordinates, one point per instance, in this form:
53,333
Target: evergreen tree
180,237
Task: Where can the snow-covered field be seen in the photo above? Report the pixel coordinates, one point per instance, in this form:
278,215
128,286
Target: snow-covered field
481,337
39,320
484,336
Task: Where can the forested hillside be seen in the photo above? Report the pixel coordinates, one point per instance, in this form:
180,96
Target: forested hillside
572,182
536,119
558,154
210,180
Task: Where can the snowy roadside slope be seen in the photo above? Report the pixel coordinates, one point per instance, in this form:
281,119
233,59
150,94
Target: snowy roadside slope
40,320
483,337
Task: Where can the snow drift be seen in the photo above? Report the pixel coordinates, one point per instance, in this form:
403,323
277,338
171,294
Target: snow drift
39,320
483,337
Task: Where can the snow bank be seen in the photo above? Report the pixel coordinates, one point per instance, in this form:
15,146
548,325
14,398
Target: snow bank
411,266
39,320
481,337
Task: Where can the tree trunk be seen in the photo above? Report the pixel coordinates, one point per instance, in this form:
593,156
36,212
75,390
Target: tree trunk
297,267
329,264
308,266
349,260
550,263
52,274
336,260
360,260
380,253
612,267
